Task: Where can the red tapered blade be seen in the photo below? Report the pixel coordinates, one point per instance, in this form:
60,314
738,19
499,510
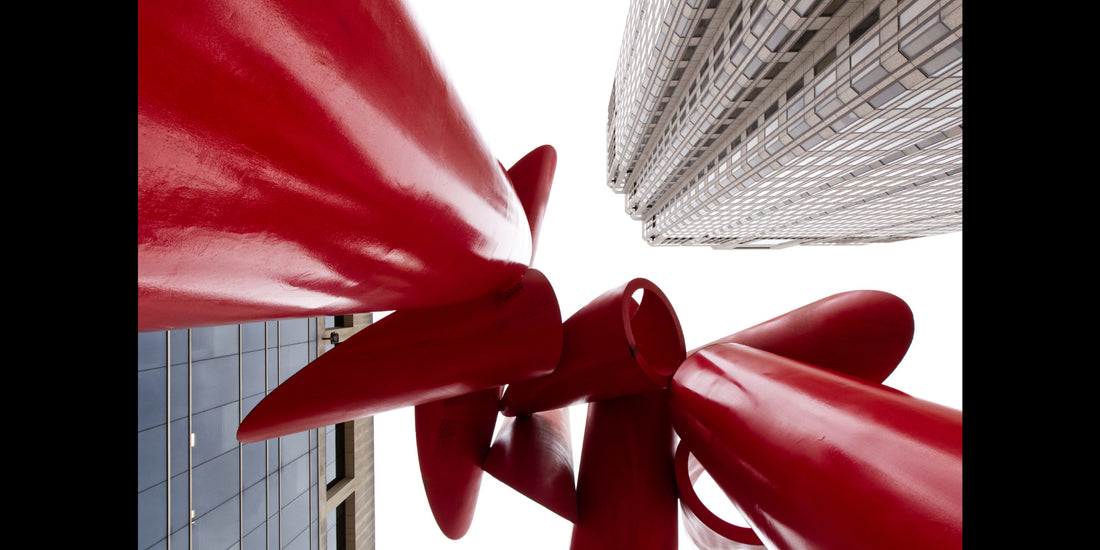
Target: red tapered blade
452,438
532,177
419,355
862,333
533,455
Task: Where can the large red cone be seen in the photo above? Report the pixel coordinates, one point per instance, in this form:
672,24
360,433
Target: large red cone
862,333
613,346
626,488
452,438
533,454
419,355
299,158
819,459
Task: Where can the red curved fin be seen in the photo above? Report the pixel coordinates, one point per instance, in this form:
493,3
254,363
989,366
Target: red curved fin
863,333
415,356
452,437
532,177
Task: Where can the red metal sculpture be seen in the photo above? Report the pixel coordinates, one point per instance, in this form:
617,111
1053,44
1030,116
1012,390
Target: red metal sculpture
613,346
300,159
817,459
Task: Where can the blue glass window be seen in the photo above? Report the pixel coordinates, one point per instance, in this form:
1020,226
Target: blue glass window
253,463
295,480
152,515
293,331
219,528
294,446
214,382
208,342
252,336
181,438
294,522
152,350
152,457
216,375
180,348
252,372
152,406
291,359
214,482
215,432
254,505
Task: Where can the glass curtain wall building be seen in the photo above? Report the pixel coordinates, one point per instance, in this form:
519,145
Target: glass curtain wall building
772,123
198,487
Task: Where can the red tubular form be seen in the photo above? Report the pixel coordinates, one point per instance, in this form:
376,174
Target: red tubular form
863,333
415,356
533,455
706,529
613,346
452,437
818,459
626,489
298,158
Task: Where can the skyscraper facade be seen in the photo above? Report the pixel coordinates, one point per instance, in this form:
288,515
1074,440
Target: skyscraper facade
198,487
774,123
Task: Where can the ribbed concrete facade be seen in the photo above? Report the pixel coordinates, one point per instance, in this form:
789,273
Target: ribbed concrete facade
770,123
355,491
349,497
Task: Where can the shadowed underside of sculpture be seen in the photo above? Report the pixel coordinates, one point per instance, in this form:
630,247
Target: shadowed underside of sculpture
533,454
261,122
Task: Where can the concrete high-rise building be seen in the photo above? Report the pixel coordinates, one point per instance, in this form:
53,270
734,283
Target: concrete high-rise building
198,487
772,123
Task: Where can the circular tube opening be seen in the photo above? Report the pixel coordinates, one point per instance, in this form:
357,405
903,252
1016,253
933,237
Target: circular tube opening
688,472
653,330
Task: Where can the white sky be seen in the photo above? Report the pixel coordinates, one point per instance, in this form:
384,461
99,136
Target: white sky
532,73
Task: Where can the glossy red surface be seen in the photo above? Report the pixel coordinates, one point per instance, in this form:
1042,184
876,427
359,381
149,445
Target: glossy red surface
613,346
532,177
863,333
626,488
452,438
533,454
299,158
704,527
415,356
819,459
